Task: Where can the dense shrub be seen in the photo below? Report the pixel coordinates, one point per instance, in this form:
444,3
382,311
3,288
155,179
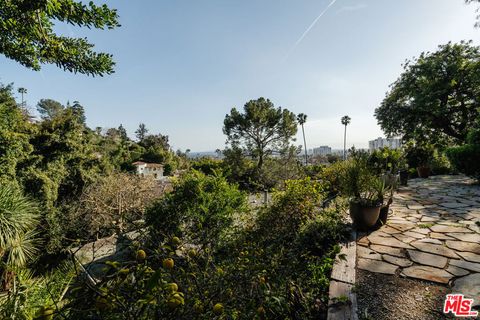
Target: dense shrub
385,160
331,177
466,158
207,166
419,154
318,234
296,204
314,171
440,163
200,206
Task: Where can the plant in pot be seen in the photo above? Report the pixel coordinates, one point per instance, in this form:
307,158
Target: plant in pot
384,162
361,186
419,156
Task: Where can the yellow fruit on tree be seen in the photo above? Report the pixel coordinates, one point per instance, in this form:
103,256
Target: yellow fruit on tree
218,308
168,263
175,300
176,241
262,280
192,253
171,287
261,310
141,255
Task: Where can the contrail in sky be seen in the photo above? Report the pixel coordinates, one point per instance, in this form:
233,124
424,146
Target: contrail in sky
309,28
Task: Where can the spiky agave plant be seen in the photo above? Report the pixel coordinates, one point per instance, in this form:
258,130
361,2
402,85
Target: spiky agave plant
18,218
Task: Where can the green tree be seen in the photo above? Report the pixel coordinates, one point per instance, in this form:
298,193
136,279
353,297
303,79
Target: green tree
78,111
14,135
437,96
49,108
345,121
27,34
157,148
123,133
260,129
302,118
141,132
23,92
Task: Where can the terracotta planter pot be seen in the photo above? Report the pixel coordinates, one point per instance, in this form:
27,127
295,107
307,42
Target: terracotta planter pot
404,177
423,172
363,217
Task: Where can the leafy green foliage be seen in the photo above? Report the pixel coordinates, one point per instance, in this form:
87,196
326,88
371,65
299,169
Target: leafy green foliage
200,206
465,158
292,207
14,136
419,154
33,297
385,160
207,166
436,98
27,34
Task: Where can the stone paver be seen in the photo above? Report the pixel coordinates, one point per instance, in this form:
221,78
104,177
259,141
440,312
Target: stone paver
388,250
434,220
401,262
469,286
456,271
463,246
367,253
448,229
376,266
468,237
472,257
472,266
427,273
391,242
438,249
427,259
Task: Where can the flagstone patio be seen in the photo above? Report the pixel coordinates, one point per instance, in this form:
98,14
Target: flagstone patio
432,233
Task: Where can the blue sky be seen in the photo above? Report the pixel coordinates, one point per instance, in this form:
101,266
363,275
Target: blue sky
182,65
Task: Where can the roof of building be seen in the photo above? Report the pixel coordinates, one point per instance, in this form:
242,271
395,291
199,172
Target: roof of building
148,165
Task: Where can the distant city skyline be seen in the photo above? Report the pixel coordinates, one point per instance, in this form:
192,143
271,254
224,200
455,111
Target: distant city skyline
181,66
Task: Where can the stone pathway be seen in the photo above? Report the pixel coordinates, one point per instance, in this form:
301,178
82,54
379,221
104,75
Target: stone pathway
432,233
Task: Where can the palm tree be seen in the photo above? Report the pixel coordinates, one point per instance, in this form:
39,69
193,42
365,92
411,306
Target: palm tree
302,118
22,91
345,122
18,219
